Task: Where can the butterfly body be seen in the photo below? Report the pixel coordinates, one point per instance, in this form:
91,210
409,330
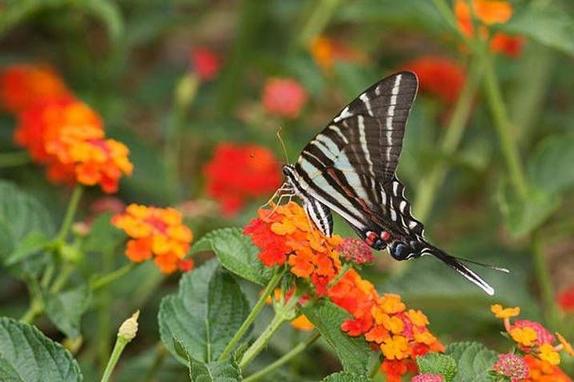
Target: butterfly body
350,166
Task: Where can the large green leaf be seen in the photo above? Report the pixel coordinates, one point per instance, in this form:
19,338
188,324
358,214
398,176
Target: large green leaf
353,352
435,363
218,371
550,167
236,253
23,220
549,26
344,376
65,309
26,355
204,315
474,361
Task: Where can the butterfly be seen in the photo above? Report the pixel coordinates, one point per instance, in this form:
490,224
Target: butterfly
350,168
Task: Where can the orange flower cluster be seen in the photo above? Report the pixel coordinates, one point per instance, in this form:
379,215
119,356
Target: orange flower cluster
540,346
60,132
439,76
488,12
158,233
237,173
285,235
401,334
327,51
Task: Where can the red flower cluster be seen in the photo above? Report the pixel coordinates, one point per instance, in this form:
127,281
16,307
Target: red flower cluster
566,299
205,63
488,12
60,132
439,76
285,235
158,233
237,173
284,97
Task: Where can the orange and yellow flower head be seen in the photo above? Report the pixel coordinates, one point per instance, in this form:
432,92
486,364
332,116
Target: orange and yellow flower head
23,86
157,233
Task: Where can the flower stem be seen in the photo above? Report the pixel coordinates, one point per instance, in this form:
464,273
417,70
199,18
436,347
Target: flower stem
281,315
108,278
285,358
504,128
544,281
14,159
70,213
318,19
339,275
63,277
253,314
121,343
453,135
36,307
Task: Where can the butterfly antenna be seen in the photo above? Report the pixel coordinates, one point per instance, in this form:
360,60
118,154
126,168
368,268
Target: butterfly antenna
278,134
458,265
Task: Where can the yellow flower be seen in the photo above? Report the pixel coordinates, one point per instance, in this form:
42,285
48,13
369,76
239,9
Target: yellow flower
565,344
391,303
417,317
524,336
395,347
425,337
548,354
302,323
503,313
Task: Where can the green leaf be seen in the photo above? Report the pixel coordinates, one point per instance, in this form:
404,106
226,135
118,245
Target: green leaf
549,26
474,361
522,216
236,253
219,371
353,352
109,13
550,167
33,243
344,376
103,236
436,363
27,355
65,309
204,315
21,216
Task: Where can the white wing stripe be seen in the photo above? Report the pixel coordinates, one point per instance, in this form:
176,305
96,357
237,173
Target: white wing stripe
363,141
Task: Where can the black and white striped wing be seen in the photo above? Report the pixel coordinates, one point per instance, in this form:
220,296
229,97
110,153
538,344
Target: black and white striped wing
350,166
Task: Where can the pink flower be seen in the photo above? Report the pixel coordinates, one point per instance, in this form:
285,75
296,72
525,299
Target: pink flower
284,97
512,366
566,299
205,63
428,377
543,336
356,251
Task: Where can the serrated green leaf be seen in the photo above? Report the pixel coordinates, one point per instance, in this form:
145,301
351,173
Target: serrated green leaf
204,315
474,361
436,363
220,371
344,376
353,352
550,167
522,216
236,253
65,309
549,26
23,219
26,355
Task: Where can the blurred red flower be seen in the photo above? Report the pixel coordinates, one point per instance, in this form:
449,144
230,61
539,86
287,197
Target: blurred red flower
438,76
489,12
237,173
284,97
566,299
22,86
67,137
205,63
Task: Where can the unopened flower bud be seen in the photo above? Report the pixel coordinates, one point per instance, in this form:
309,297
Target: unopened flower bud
428,377
129,328
356,251
512,366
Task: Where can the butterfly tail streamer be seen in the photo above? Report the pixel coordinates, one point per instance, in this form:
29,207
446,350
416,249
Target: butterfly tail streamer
460,267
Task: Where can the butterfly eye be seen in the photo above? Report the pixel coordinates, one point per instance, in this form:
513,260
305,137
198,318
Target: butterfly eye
286,171
399,250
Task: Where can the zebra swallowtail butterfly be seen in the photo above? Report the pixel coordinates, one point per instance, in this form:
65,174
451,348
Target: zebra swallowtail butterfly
349,168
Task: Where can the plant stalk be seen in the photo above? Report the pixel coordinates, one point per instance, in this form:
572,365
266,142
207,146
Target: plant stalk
253,314
108,278
14,159
119,347
70,213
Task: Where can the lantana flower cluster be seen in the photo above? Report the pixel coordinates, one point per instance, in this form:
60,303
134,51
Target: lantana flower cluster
157,233
238,173
487,13
61,132
285,236
539,347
